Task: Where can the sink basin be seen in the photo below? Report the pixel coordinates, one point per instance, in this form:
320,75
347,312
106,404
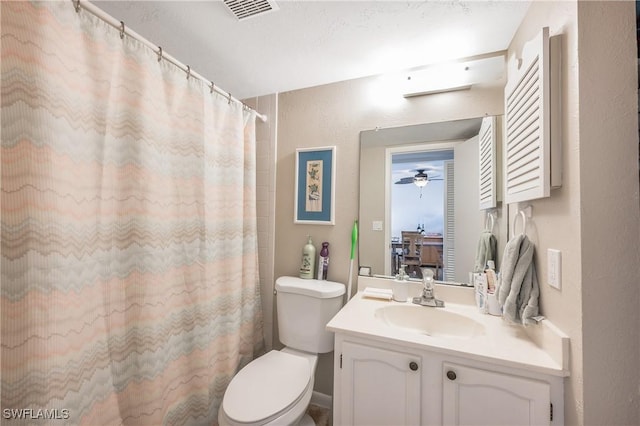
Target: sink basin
434,322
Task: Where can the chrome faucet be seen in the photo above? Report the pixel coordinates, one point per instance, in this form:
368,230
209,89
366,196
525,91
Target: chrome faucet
428,297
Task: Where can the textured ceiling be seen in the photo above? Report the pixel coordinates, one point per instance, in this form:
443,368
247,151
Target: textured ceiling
309,43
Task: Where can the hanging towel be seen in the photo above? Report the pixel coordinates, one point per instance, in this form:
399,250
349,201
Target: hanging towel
487,247
519,291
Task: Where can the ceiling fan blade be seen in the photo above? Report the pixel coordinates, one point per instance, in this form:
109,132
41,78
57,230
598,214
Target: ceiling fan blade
405,180
427,169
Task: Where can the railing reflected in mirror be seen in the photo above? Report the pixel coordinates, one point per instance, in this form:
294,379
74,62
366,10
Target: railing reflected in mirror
422,179
417,251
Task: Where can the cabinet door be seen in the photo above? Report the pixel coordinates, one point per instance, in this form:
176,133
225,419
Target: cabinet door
471,396
379,386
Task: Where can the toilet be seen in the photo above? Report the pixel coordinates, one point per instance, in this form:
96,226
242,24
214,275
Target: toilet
275,389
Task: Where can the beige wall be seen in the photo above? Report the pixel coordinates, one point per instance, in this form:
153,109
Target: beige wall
372,207
266,203
556,220
609,211
593,219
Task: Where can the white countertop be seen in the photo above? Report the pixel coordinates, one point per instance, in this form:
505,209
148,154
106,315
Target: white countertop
540,348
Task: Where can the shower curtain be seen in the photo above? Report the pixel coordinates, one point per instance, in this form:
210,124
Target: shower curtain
129,267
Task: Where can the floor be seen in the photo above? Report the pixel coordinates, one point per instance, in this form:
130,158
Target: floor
320,415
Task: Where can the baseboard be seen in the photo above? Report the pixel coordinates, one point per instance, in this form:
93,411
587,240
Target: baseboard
321,399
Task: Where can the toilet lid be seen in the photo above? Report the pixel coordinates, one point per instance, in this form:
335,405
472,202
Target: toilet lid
264,387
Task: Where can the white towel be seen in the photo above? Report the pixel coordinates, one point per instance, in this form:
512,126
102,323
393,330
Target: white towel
519,291
378,293
487,247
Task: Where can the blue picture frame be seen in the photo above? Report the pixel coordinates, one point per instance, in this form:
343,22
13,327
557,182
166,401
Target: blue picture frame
315,186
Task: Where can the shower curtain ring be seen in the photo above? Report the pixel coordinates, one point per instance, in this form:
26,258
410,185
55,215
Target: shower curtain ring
229,101
159,53
121,30
76,5
188,72
211,87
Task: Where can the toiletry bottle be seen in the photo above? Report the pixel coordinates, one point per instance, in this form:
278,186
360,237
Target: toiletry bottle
400,286
493,307
480,282
323,261
308,260
491,276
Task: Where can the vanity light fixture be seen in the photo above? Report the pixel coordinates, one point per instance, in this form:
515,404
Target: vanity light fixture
454,76
433,92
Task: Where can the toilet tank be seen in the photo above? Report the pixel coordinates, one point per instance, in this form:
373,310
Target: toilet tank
304,309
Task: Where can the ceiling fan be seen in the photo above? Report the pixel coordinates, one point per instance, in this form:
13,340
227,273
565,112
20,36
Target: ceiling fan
419,179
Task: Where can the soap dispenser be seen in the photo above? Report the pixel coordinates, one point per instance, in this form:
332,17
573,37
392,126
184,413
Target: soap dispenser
400,286
308,260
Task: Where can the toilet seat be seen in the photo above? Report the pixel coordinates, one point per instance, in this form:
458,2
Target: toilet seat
266,387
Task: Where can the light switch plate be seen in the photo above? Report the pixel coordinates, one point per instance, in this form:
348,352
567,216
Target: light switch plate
554,268
376,225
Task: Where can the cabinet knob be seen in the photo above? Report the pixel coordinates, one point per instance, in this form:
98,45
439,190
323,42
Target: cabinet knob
413,365
451,375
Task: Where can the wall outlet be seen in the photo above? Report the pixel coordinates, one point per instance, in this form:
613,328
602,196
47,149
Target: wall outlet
554,268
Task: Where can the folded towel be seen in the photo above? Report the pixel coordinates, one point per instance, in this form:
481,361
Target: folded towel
487,247
378,293
519,291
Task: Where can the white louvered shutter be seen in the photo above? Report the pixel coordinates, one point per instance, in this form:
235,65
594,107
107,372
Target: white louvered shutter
488,163
528,104
449,257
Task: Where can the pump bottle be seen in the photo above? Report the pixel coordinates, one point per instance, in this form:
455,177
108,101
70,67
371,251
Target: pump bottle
308,260
323,261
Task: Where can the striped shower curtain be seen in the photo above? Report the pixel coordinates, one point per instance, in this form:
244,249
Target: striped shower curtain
129,289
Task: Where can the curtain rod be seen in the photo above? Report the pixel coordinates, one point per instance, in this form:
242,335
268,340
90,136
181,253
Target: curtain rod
119,25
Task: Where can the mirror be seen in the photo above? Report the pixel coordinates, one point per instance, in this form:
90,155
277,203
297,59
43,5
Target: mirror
445,210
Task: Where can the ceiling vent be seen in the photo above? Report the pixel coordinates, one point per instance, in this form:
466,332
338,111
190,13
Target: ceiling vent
244,9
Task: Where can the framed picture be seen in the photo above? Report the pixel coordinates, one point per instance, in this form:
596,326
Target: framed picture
315,186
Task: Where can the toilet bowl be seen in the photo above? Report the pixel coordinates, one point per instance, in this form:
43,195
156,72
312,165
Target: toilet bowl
276,388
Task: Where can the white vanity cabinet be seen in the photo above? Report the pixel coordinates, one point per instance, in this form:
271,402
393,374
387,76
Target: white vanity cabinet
379,383
472,396
379,386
